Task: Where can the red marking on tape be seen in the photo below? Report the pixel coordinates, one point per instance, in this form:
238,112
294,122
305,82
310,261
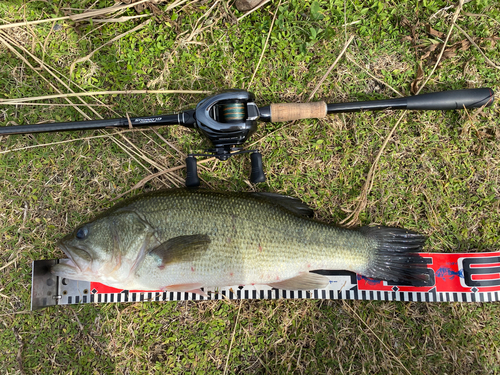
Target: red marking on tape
486,276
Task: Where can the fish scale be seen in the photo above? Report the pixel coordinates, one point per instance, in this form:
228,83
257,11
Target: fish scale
288,243
185,239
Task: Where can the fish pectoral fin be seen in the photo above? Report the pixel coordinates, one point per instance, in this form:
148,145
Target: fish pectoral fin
181,249
305,281
189,288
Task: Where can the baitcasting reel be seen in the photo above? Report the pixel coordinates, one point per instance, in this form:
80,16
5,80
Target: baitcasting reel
227,119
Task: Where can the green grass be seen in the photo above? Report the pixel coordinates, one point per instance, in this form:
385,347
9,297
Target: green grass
439,175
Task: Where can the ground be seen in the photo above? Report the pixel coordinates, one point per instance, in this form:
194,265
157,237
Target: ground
434,172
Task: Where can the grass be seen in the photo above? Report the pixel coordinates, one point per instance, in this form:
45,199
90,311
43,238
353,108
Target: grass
439,175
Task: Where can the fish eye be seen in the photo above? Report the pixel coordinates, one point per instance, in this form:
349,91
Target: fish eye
82,233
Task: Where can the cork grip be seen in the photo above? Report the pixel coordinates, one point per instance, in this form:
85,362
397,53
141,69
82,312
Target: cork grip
295,111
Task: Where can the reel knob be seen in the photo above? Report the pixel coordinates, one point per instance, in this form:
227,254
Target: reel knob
192,179
257,175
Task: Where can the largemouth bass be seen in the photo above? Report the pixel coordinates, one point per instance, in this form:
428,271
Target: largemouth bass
186,240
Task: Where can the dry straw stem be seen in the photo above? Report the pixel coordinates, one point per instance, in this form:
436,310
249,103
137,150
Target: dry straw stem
67,141
52,72
56,105
8,264
232,336
137,151
491,63
181,154
107,135
175,179
158,174
254,9
353,218
196,30
378,338
367,187
480,15
21,57
344,49
131,152
120,19
346,45
85,58
351,59
453,22
265,44
115,92
84,15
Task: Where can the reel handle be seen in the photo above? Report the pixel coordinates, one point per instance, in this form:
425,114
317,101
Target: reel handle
257,174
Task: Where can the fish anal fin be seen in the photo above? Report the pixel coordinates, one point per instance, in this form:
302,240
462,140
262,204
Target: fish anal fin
199,291
188,287
304,281
181,249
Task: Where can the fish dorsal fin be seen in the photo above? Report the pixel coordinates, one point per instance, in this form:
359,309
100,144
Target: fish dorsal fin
181,249
294,205
305,281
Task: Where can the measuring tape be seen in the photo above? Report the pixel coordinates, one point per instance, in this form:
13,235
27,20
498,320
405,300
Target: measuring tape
463,277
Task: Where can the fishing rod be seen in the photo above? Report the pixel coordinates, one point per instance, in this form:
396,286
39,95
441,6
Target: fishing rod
229,118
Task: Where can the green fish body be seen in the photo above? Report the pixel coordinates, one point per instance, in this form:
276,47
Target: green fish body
186,240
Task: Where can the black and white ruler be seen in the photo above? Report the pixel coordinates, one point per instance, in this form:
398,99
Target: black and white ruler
463,277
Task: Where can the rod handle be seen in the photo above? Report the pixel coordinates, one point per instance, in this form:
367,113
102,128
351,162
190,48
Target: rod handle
455,99
282,112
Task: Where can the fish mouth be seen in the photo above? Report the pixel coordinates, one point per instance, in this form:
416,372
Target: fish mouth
72,262
67,267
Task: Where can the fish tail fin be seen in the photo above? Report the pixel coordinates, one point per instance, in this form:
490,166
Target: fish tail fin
395,257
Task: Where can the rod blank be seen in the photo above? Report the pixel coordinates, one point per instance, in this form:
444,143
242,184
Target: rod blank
94,124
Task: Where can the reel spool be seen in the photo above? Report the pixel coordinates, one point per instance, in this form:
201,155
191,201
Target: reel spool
227,120
232,112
